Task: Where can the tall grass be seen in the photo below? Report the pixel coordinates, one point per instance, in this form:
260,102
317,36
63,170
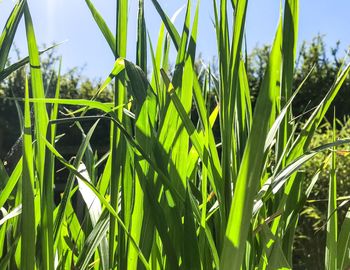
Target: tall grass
166,196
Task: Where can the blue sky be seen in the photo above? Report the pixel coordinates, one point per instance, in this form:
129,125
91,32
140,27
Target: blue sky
59,20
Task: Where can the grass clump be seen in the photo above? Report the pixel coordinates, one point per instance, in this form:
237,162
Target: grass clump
164,196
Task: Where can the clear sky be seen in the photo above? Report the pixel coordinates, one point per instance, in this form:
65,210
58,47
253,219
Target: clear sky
59,20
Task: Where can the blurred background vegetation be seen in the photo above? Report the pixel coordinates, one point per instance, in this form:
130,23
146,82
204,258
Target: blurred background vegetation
310,240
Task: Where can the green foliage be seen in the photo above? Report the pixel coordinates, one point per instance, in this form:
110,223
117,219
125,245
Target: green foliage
315,54
311,233
167,193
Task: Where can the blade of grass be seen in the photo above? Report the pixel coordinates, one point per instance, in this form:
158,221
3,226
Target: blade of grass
158,217
304,138
343,259
178,194
168,24
332,216
145,102
9,70
279,180
41,117
289,47
14,213
191,259
254,157
47,207
273,254
70,181
94,239
103,201
103,27
191,130
5,260
230,104
28,231
118,144
9,31
11,183
141,46
95,212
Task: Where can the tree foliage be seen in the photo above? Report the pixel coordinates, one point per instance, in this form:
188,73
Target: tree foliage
73,86
326,62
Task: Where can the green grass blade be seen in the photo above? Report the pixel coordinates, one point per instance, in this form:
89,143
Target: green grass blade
104,179
244,112
41,117
9,70
282,116
95,210
104,107
47,207
196,140
303,140
11,183
5,260
14,213
141,50
191,258
344,243
332,216
278,181
230,62
178,194
193,38
94,239
181,53
117,141
70,181
71,231
102,199
233,102
54,110
46,220
181,145
28,231
103,27
168,24
145,103
9,31
248,179
156,62
214,156
158,216
274,257
289,46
